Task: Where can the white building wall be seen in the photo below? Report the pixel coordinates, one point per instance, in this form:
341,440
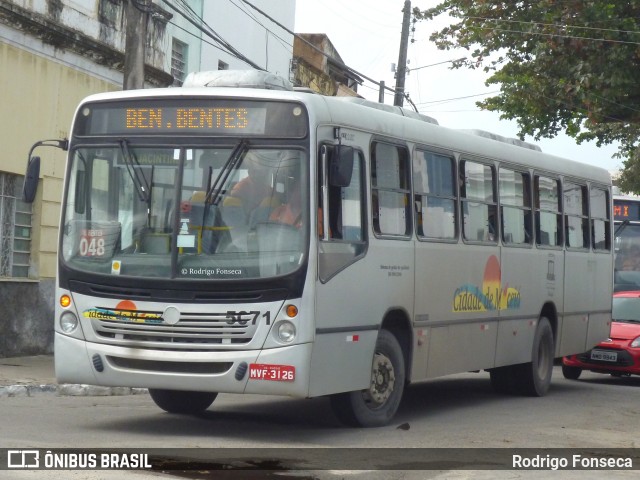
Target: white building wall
251,33
184,31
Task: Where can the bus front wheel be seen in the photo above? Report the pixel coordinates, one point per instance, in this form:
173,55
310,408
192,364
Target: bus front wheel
375,406
177,401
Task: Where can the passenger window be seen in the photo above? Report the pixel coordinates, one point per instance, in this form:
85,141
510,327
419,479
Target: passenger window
390,190
576,211
100,188
515,207
547,211
435,195
479,207
344,209
600,220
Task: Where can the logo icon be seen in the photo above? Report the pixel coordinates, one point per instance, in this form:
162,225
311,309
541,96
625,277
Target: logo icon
23,459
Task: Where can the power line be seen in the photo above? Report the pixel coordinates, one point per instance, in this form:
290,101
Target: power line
556,25
255,19
572,37
299,37
434,64
445,100
208,31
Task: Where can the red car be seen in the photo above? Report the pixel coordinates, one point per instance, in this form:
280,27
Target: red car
619,355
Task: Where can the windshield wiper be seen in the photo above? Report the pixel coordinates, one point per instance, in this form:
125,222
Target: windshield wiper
214,190
138,179
622,226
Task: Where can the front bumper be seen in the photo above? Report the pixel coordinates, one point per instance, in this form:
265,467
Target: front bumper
82,362
627,362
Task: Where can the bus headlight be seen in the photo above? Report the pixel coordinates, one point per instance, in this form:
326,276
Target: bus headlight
68,322
286,331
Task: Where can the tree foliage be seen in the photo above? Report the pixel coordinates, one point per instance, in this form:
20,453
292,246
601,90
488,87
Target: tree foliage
569,65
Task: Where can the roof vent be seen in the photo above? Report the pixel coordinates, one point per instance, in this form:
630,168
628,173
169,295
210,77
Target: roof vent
238,79
390,109
499,138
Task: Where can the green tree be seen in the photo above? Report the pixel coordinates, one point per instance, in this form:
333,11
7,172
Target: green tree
569,65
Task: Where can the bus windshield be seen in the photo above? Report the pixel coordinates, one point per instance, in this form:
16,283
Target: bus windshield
627,249
229,212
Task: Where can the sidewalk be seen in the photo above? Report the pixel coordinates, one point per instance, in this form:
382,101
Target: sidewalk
32,376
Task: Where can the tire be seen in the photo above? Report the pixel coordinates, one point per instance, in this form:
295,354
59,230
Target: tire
571,373
178,401
376,406
535,377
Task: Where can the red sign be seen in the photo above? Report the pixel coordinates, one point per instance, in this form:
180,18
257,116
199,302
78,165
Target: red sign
92,243
275,373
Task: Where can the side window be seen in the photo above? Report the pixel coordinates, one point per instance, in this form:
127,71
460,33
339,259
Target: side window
100,190
515,207
547,211
479,207
435,195
341,216
576,209
345,210
600,221
390,190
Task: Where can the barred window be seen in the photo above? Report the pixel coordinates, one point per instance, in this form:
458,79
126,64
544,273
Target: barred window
15,228
178,62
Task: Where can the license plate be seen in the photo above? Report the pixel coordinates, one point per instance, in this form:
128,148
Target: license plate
604,356
274,373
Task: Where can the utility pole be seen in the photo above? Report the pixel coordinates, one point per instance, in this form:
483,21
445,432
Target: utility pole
381,92
401,70
136,35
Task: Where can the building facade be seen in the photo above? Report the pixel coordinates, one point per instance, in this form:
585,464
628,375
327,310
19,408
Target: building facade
318,66
252,32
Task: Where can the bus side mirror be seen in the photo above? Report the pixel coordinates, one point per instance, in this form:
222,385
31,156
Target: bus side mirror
341,166
32,176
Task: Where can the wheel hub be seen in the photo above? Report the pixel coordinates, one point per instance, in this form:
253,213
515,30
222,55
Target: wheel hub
382,379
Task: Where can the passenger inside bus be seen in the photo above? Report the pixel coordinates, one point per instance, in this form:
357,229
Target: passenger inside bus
631,260
254,190
290,213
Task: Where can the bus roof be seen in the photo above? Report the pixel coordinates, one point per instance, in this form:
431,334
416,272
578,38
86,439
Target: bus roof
387,123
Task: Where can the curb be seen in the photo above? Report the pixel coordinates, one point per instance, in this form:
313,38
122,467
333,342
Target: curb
67,390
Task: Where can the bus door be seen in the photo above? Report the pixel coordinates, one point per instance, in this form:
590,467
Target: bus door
345,325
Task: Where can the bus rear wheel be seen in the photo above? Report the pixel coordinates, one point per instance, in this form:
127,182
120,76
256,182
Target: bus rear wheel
535,377
178,401
375,406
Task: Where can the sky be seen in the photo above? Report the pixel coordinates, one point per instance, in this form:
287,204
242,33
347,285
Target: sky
366,34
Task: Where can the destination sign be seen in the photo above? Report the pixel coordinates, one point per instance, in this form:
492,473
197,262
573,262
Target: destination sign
196,118
205,116
626,210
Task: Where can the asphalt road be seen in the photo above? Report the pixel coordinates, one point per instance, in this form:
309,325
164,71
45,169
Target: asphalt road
456,412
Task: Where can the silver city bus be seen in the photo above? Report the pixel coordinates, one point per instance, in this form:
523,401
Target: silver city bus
274,241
